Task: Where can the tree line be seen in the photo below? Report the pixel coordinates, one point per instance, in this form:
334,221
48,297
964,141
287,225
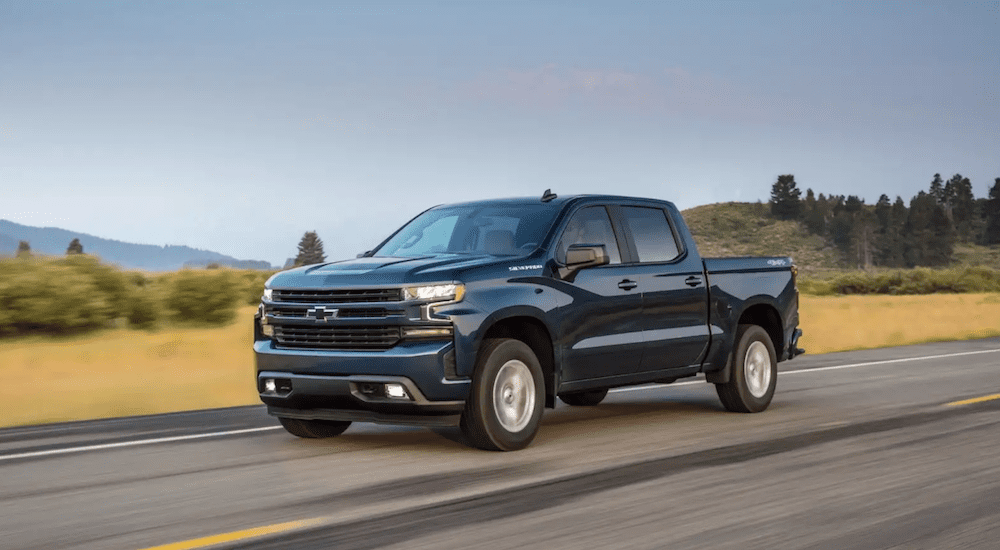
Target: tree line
892,233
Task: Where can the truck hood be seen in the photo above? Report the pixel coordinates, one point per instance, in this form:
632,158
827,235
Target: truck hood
381,271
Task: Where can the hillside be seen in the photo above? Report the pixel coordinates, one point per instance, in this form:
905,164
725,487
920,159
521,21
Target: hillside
53,241
747,229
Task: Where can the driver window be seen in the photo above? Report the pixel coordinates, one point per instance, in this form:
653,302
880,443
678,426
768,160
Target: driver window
589,225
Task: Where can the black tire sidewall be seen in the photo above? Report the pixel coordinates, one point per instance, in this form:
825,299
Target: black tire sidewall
499,353
748,335
314,429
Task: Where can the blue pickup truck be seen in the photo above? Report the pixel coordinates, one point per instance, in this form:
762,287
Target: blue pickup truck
482,314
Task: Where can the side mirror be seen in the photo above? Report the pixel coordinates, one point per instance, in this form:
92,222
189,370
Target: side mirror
579,256
363,254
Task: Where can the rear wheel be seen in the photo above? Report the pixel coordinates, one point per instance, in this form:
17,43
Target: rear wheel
587,398
313,429
755,372
504,408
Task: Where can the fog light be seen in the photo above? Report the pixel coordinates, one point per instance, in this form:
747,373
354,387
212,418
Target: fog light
396,391
267,330
270,386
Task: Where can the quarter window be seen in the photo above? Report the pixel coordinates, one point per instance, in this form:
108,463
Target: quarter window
654,241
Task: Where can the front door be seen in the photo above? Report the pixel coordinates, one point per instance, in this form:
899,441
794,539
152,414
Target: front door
600,330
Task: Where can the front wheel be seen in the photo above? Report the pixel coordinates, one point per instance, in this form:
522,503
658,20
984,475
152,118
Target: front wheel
313,429
755,372
504,408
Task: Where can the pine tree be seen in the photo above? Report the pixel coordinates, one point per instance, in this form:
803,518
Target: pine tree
929,233
961,205
23,249
894,253
816,216
991,212
883,211
785,203
937,189
74,247
310,250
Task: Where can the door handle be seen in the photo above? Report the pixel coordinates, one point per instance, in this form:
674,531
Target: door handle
692,281
627,284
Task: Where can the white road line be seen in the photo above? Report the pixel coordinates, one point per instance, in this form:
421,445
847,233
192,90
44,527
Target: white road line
69,450
887,361
84,448
820,369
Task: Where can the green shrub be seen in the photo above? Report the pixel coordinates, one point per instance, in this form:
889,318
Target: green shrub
815,287
252,282
43,296
110,282
144,310
921,280
203,297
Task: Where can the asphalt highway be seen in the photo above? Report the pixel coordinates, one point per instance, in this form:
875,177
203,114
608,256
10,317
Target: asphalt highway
890,448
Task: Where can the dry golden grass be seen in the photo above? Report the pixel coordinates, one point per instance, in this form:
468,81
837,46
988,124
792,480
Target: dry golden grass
127,372
840,323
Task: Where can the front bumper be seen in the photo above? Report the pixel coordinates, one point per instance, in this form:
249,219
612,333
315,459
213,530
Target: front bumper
324,384
343,398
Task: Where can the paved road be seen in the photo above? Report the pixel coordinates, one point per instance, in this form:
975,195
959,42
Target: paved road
858,450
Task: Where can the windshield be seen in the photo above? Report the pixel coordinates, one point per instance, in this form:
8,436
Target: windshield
499,230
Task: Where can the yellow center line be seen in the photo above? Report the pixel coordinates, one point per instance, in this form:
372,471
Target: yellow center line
238,535
973,400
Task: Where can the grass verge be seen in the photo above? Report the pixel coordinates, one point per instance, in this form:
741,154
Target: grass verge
128,372
843,323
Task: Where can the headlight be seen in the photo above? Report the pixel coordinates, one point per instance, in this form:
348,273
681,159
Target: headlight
438,293
267,294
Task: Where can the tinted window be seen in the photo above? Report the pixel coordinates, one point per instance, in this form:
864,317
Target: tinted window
654,241
590,225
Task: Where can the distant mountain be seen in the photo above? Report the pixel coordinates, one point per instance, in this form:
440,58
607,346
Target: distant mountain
53,241
8,245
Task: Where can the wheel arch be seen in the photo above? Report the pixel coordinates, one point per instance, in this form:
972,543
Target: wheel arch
767,317
757,312
533,332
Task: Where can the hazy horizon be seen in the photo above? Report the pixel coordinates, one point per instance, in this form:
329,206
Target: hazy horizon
236,128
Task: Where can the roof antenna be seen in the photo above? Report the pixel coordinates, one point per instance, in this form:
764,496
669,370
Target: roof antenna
548,195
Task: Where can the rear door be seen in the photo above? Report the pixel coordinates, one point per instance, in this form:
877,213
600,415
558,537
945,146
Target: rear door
674,317
600,330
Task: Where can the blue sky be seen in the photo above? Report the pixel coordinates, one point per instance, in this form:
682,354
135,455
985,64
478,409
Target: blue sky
238,126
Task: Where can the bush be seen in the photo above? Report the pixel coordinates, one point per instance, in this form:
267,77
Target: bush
41,296
203,297
110,282
144,311
907,281
252,283
815,287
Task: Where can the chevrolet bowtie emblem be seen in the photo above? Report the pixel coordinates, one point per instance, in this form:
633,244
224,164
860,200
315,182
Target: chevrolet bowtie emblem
321,313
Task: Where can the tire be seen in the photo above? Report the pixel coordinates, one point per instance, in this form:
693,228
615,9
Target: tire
313,429
755,372
505,405
587,398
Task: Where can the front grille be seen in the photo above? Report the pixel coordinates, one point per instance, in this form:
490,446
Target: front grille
339,296
279,312
341,337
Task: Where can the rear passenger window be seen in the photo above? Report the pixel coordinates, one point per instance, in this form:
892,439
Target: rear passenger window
654,241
